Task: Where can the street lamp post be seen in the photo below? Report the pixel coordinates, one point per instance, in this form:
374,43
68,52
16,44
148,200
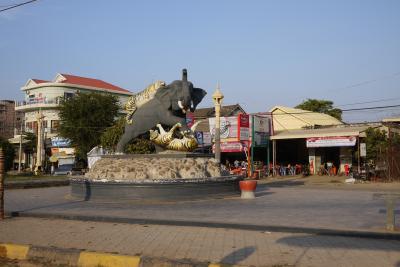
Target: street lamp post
217,98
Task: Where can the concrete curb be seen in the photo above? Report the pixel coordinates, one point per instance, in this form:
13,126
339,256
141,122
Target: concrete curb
82,258
251,227
35,184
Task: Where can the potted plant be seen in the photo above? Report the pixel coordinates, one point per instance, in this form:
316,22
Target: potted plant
248,187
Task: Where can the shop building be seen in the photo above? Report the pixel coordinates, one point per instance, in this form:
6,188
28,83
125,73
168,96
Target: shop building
310,138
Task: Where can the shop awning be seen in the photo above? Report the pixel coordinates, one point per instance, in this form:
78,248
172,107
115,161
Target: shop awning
323,132
16,139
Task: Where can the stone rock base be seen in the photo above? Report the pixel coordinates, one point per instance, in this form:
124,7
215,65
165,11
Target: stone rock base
152,167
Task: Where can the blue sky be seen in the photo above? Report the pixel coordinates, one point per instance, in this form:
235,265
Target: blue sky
263,53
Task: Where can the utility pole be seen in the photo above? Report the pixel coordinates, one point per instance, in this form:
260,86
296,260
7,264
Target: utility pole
20,147
1,184
38,166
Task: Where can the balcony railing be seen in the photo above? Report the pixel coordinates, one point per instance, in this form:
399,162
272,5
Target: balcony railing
37,101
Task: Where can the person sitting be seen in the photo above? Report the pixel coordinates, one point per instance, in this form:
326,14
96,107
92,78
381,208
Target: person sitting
329,165
297,169
228,164
236,163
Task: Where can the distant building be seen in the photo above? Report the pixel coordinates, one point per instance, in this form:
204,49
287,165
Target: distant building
9,118
46,96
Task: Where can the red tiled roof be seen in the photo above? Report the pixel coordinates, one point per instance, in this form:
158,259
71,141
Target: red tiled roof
39,81
92,83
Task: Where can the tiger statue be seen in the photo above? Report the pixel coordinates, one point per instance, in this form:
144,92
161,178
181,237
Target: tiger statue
187,143
141,98
162,137
169,141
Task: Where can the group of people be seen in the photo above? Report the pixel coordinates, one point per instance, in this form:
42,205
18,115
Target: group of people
236,164
328,168
288,169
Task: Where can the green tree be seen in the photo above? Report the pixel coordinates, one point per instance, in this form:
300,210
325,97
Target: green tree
377,142
85,117
321,106
110,138
30,146
9,153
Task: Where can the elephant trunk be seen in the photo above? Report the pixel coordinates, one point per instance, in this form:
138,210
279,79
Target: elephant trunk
185,102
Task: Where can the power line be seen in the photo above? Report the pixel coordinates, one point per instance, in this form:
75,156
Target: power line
369,102
368,81
17,5
343,110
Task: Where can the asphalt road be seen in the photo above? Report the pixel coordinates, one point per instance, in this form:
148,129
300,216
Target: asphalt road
273,206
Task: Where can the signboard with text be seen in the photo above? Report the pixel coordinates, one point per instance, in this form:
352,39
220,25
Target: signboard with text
331,141
262,129
60,142
228,127
243,127
231,147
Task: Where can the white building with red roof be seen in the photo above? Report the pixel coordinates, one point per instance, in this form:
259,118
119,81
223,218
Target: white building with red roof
46,96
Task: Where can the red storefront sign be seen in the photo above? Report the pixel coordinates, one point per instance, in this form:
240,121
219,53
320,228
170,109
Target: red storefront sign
243,127
232,146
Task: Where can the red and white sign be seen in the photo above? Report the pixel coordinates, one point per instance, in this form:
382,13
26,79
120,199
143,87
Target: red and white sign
232,146
331,141
243,127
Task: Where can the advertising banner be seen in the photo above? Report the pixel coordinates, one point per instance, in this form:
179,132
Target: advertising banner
262,129
190,119
199,137
207,138
243,127
261,139
60,142
331,141
262,124
234,146
228,128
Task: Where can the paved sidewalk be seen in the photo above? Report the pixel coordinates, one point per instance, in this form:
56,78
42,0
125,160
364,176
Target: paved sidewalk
279,207
204,245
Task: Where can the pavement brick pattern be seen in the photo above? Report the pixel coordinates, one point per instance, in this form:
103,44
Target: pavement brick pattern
200,245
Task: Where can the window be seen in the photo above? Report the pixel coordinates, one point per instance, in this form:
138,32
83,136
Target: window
68,95
54,126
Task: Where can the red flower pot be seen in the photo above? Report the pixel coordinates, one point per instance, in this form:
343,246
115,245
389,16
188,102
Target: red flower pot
248,187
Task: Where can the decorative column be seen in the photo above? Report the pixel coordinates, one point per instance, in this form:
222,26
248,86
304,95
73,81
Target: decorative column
217,98
39,148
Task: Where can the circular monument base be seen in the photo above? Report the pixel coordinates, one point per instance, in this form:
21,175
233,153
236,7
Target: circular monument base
157,189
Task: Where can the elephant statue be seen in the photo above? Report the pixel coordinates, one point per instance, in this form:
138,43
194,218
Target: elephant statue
167,107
